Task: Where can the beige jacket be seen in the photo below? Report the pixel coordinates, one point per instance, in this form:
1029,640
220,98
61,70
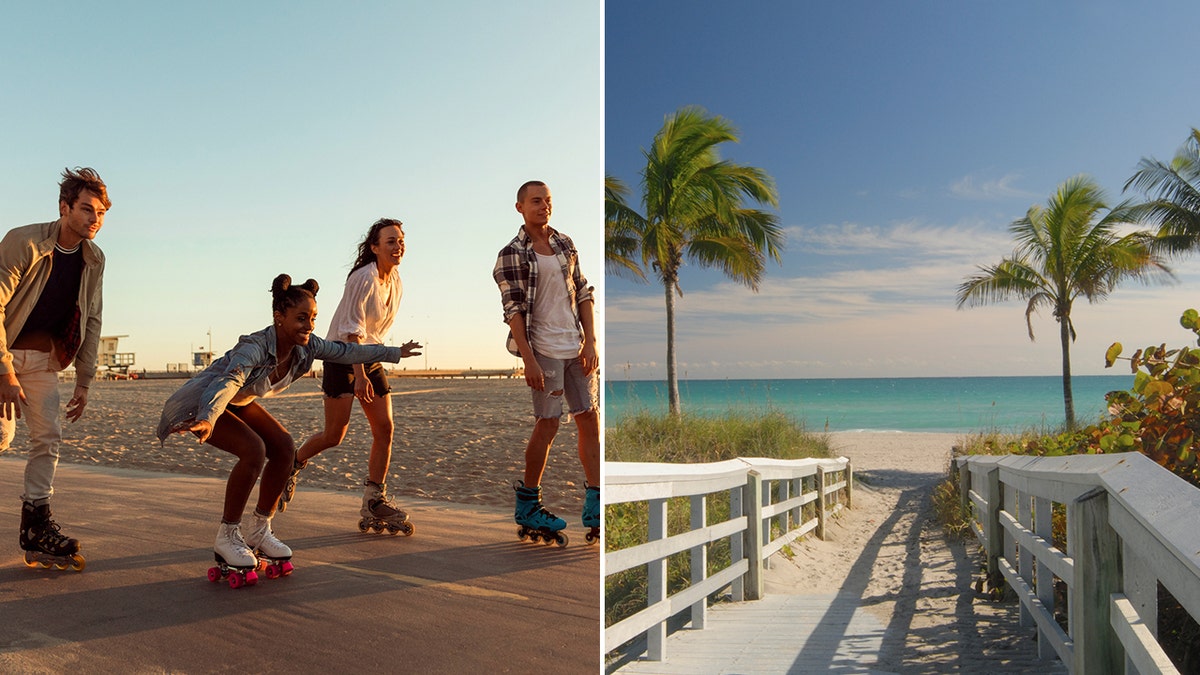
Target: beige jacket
25,256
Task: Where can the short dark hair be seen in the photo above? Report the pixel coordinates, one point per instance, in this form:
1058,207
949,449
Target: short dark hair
284,295
527,184
79,180
365,255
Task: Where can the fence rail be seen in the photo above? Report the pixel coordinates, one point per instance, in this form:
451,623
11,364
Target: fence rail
767,500
1130,526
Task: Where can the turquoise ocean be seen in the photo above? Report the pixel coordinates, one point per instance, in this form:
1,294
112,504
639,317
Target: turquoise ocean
943,404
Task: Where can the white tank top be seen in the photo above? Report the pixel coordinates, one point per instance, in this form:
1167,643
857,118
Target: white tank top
553,324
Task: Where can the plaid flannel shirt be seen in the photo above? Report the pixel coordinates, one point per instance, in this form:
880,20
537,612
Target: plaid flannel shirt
516,274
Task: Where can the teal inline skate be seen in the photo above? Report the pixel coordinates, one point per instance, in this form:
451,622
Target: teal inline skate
536,523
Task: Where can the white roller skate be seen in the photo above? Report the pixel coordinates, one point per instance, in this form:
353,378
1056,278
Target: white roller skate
274,556
379,514
234,558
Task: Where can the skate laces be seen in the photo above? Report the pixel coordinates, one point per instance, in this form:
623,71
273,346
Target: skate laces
52,535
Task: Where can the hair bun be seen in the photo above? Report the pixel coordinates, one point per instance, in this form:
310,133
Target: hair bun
281,284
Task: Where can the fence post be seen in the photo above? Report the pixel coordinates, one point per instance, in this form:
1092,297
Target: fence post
656,582
737,543
964,485
699,560
1097,557
821,503
995,534
849,485
753,504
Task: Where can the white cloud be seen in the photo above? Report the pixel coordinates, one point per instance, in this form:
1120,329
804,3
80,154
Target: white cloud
971,187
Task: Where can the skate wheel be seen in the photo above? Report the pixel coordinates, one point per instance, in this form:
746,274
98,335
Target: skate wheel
522,534
362,526
377,528
286,568
591,539
214,574
236,580
408,529
273,572
561,540
251,578
78,563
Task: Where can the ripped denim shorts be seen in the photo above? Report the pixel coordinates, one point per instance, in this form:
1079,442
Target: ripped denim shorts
564,376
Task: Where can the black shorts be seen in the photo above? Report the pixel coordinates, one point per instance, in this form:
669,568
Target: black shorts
337,379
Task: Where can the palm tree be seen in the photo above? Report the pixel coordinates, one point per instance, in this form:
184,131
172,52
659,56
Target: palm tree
620,231
1062,252
693,210
1174,192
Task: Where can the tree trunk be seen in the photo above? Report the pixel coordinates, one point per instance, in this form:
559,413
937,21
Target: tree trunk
672,374
1064,330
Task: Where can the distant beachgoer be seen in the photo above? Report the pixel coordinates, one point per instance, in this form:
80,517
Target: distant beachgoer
51,276
548,307
365,315
219,405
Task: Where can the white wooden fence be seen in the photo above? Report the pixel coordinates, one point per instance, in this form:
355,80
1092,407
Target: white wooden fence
1130,525
760,492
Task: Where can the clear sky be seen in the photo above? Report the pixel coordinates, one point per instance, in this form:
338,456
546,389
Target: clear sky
240,140
905,137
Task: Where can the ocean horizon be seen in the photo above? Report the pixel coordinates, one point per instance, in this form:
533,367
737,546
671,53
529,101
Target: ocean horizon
913,404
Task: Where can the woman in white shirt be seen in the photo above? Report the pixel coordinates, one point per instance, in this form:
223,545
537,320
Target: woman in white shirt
364,315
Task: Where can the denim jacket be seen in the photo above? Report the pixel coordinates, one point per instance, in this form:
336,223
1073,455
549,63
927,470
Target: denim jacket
205,396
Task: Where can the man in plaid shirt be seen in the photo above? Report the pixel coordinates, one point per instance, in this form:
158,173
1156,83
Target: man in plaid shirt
548,307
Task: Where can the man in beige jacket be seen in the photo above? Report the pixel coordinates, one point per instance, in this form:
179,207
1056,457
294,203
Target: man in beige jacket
50,302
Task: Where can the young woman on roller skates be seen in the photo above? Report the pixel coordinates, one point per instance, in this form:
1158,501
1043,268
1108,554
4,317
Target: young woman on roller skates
365,315
219,405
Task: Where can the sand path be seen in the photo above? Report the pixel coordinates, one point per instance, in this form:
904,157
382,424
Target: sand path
891,552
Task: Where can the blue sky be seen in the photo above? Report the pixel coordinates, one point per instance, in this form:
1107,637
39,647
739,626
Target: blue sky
241,140
904,139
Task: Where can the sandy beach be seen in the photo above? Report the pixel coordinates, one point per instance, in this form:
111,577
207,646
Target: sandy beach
456,440
891,550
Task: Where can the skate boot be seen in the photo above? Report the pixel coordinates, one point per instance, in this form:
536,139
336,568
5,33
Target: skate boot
379,514
43,543
274,556
591,514
289,488
536,523
234,559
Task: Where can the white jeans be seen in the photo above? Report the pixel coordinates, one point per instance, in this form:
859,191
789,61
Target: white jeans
38,374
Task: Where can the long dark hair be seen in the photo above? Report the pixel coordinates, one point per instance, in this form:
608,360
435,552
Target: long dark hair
365,255
284,295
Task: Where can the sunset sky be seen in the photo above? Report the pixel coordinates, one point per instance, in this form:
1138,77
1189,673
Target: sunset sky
241,140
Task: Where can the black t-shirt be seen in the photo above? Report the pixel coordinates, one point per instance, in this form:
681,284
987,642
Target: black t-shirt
56,306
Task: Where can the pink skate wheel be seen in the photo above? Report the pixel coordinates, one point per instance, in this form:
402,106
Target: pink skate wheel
236,580
286,568
251,578
214,574
273,571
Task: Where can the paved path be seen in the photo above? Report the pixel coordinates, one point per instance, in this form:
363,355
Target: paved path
461,595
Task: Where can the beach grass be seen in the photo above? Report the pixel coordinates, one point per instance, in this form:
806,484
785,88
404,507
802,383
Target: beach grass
688,439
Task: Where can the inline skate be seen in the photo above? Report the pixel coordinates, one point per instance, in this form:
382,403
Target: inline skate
44,545
379,514
536,523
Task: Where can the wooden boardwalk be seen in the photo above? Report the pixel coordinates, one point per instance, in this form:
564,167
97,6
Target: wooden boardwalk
778,634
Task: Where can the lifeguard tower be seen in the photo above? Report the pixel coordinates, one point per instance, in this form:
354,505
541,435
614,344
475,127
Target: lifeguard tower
110,358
